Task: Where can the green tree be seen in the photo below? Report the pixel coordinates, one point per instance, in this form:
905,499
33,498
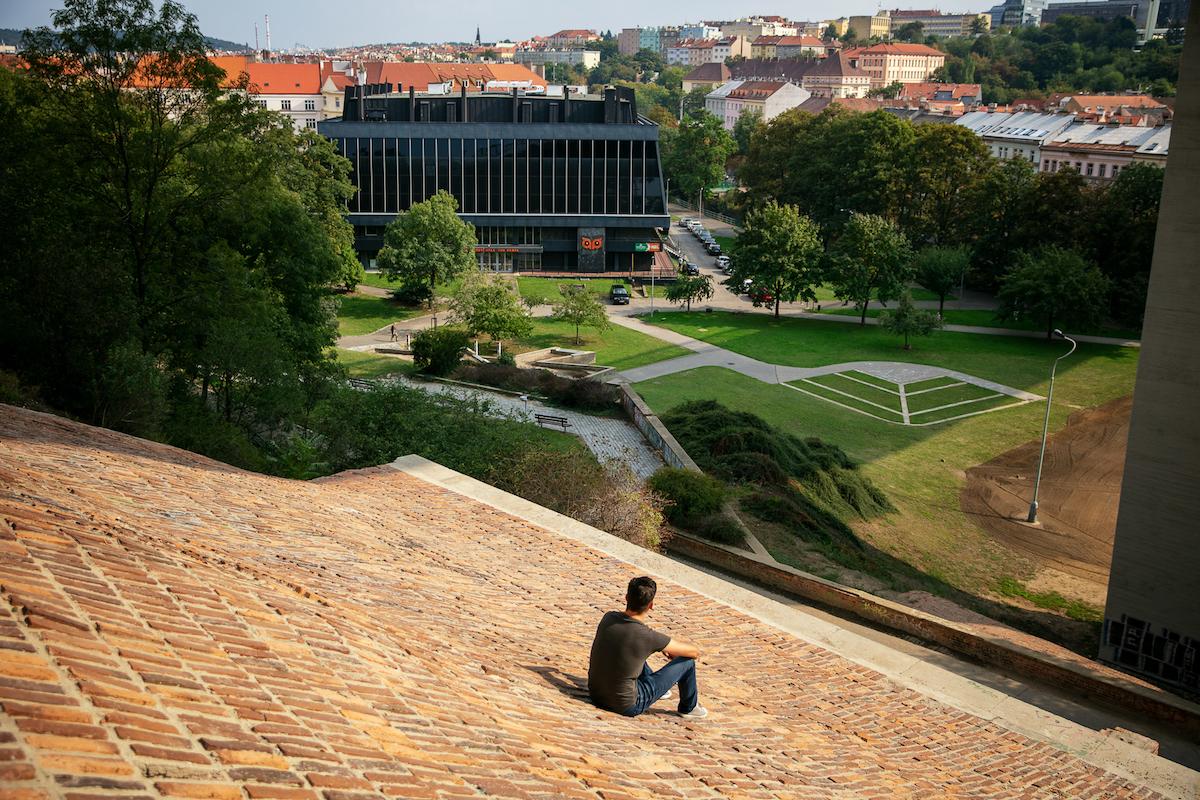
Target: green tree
939,167
428,244
196,236
488,304
697,152
908,320
748,122
1000,220
871,258
911,32
941,270
690,288
1122,229
580,307
1055,286
780,249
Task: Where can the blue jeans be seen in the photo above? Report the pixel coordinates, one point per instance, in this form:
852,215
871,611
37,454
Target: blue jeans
653,685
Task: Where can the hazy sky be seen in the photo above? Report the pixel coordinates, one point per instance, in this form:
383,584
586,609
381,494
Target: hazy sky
333,23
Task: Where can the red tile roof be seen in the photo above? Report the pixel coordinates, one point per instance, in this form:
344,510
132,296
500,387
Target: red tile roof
756,90
285,78
421,74
897,49
919,91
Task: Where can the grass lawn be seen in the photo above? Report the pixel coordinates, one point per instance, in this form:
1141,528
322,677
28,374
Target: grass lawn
919,468
370,365
360,314
377,280
617,347
548,287
985,318
1015,361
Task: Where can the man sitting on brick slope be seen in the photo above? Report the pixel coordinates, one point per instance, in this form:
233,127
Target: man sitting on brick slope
619,679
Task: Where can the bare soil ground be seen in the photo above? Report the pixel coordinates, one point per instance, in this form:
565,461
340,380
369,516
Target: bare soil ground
1080,490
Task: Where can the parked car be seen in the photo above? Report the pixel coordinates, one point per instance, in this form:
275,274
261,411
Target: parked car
713,248
619,295
746,284
761,296
722,262
690,269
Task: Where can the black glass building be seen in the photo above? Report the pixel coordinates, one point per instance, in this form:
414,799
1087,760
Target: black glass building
550,183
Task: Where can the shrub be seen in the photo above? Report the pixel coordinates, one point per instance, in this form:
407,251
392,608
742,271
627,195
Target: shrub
506,359
750,468
608,497
437,351
693,496
721,528
412,294
587,395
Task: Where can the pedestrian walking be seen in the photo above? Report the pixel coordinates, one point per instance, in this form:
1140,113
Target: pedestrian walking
393,331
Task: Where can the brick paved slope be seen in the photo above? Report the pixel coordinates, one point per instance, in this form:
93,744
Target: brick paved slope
175,627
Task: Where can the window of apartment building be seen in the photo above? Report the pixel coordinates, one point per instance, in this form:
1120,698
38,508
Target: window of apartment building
1090,168
261,103
1078,166
1115,170
285,105
1103,169
310,105
310,123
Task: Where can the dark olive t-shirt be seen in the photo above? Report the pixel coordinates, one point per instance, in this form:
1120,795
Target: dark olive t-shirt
619,652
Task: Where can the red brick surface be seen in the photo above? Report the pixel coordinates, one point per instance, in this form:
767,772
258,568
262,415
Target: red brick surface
173,627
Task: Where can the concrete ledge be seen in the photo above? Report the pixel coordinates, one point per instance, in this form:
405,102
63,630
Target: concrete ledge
927,678
993,650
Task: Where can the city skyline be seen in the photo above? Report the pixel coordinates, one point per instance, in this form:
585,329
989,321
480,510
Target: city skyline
321,25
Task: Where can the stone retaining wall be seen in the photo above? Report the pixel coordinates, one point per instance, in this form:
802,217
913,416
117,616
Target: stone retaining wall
655,432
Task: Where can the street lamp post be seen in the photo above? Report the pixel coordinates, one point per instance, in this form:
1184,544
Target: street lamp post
1033,505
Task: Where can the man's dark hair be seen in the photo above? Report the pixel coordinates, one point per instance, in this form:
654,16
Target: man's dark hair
640,593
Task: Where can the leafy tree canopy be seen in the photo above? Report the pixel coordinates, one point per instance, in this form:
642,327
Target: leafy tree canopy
428,244
779,249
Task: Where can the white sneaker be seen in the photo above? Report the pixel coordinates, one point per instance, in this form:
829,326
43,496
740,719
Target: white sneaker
699,712
668,695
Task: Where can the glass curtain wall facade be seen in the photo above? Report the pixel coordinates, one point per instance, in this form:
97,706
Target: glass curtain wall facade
506,175
550,184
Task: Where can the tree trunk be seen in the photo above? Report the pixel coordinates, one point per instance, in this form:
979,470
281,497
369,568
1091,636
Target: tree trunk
863,319
1049,327
941,304
906,345
776,305
577,333
228,387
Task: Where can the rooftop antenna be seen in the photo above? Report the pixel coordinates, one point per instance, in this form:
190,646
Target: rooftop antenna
256,47
267,17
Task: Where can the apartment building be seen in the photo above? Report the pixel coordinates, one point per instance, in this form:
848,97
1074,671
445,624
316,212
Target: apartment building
897,63
767,99
935,23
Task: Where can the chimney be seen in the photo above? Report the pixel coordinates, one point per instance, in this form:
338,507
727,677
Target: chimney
566,105
516,106
462,111
412,103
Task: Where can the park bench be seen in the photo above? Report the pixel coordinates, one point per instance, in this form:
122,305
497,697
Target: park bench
549,419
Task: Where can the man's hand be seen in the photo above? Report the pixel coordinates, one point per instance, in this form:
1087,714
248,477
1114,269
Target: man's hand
677,648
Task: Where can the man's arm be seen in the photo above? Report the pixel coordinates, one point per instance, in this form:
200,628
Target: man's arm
677,648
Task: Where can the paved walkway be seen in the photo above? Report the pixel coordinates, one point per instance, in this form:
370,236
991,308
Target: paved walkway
608,438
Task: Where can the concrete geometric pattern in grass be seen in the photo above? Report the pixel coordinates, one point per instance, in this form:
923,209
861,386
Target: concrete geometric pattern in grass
908,394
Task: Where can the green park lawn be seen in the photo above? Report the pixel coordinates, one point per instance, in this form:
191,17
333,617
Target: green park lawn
919,468
370,365
984,318
548,288
359,314
617,347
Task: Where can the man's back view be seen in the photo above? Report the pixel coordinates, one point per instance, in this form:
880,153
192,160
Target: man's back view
619,679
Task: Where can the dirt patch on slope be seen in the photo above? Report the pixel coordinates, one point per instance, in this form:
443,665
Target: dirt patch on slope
1077,504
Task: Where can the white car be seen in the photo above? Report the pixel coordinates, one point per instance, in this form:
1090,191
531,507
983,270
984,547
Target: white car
723,262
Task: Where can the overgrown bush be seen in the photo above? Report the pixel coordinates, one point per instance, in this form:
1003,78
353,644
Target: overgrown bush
586,395
743,448
692,496
722,528
437,351
608,497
